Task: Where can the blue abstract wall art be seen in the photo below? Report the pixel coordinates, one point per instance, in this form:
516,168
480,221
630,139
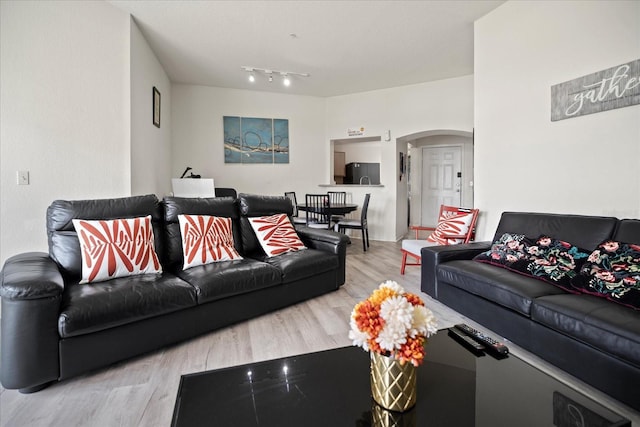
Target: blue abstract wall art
255,140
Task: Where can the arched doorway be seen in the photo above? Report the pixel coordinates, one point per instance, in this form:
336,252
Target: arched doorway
435,175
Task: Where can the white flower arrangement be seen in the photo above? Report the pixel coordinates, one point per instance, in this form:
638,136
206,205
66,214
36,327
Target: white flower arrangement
393,322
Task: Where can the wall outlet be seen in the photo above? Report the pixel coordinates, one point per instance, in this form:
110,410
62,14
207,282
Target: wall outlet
23,177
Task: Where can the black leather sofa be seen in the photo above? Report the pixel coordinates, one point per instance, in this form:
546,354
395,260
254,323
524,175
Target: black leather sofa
592,338
54,328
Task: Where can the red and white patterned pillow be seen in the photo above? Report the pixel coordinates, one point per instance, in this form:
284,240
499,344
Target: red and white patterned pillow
116,248
206,239
276,234
451,223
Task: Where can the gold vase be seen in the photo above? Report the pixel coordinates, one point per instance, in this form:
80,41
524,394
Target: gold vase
393,385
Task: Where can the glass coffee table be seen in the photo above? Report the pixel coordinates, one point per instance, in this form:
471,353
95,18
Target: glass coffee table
456,388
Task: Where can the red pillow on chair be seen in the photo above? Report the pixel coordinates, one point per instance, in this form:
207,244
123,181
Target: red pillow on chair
451,222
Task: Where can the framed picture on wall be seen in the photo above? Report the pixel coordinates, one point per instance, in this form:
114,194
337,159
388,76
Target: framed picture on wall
255,140
156,107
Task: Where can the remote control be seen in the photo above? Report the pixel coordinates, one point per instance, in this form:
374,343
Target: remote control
491,345
467,341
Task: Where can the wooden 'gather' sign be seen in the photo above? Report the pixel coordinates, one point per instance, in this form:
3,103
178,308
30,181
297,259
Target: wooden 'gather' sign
608,89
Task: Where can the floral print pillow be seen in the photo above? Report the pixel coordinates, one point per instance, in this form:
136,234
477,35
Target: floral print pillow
612,271
544,258
555,261
505,251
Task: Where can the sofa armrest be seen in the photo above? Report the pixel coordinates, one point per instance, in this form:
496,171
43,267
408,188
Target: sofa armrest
31,288
432,256
30,275
327,241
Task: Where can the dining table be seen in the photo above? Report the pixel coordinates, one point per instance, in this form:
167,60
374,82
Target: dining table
334,209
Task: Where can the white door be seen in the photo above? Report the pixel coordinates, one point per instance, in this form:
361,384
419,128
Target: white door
441,180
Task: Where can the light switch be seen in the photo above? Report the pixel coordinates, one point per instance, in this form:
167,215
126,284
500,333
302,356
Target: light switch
23,177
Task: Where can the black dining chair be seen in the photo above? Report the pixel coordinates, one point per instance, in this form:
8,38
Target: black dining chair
318,211
297,219
358,224
337,198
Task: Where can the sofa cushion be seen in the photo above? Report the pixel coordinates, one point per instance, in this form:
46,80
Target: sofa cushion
499,285
227,278
276,234
64,246
302,264
252,205
116,248
505,251
555,261
206,239
613,328
104,305
628,231
544,258
414,246
613,272
224,207
569,228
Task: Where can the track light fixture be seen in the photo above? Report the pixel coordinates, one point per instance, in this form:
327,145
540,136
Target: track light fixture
286,75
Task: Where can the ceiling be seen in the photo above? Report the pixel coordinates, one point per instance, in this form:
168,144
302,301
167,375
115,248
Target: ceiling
345,46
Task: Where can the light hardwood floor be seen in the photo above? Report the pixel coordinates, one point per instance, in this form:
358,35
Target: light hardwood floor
141,392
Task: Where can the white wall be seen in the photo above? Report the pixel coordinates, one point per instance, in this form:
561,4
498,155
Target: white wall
443,104
150,145
197,133
525,162
65,111
197,138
